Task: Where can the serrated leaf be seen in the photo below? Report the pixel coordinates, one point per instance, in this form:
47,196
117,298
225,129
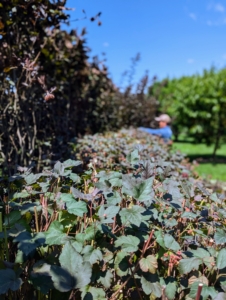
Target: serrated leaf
107,215
122,266
112,198
92,255
41,277
71,163
9,280
105,278
220,236
12,218
149,264
128,243
189,215
55,234
74,177
133,157
187,264
78,208
221,259
171,243
200,253
206,291
132,215
160,238
151,287
94,293
72,261
170,290
63,281
27,243
23,194
140,190
32,178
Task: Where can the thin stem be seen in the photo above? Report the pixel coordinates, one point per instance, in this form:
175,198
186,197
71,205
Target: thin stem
36,219
6,243
0,221
199,292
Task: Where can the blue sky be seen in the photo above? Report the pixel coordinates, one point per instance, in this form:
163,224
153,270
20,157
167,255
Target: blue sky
173,37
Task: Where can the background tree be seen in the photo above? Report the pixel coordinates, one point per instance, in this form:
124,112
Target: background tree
197,105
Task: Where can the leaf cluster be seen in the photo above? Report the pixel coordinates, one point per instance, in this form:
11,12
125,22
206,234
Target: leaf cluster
141,229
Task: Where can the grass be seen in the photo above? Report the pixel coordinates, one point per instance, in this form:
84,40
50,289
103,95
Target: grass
202,154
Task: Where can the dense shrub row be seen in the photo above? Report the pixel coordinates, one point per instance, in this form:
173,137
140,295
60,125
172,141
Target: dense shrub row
134,224
50,88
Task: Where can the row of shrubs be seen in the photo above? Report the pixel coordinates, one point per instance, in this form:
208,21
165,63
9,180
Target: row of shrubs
125,219
51,90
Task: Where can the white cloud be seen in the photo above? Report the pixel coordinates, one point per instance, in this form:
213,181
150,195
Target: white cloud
218,7
106,44
193,16
190,61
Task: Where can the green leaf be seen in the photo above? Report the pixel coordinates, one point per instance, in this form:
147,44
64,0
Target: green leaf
128,243
171,243
12,218
55,234
189,215
27,243
206,291
23,194
72,261
78,208
41,277
160,238
149,264
122,266
32,178
171,289
92,255
133,157
71,163
105,279
151,287
221,259
187,264
200,253
220,236
107,215
143,191
63,281
74,177
9,280
132,215
93,293
91,232
112,198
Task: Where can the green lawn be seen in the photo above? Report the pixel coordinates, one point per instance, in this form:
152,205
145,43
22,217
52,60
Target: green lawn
203,154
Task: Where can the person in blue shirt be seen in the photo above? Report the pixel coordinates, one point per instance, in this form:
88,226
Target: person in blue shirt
164,130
